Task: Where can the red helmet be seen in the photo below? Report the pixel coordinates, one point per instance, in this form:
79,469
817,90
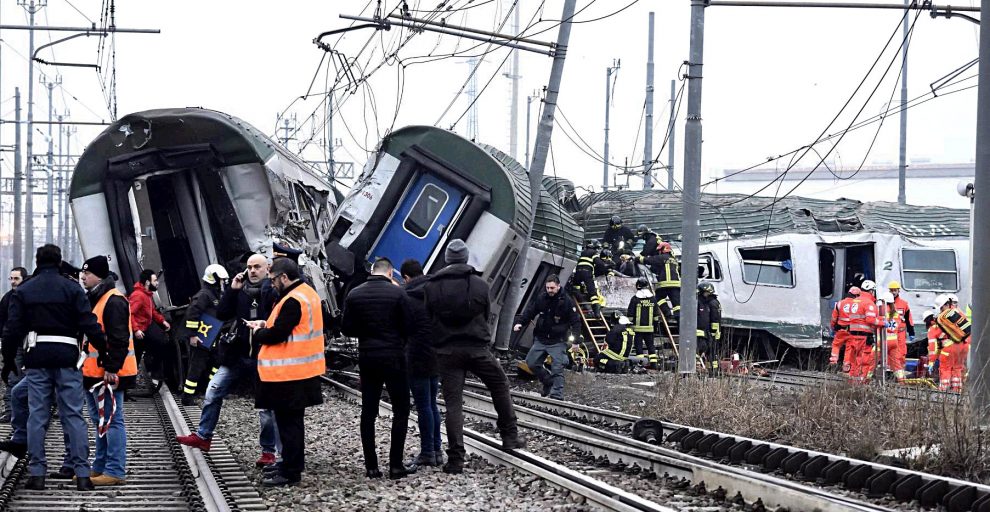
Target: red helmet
664,247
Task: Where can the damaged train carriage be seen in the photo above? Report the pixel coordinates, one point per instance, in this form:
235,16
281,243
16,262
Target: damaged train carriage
779,271
426,186
178,189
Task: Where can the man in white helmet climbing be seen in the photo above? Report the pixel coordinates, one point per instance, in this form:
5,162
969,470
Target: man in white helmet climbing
201,321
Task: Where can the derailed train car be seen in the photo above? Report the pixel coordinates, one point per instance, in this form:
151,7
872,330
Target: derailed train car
178,189
426,186
779,270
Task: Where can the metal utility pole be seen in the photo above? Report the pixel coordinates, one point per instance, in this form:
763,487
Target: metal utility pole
614,68
71,240
979,354
18,178
902,161
31,7
540,152
529,101
472,96
670,136
648,142
692,193
330,163
514,77
50,214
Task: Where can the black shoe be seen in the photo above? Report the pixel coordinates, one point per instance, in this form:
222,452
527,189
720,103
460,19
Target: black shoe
35,483
280,480
452,468
424,459
546,388
373,473
271,469
401,472
84,484
515,442
63,473
16,449
188,400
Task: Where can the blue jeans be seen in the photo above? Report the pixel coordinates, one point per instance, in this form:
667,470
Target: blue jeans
558,354
44,386
220,386
111,449
19,418
424,392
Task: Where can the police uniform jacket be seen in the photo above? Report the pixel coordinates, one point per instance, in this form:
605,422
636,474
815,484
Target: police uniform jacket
555,317
50,304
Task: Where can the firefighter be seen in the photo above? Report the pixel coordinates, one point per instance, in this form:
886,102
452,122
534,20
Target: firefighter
668,273
957,328
616,234
200,320
651,240
840,325
935,339
896,341
604,265
709,323
643,309
615,358
582,282
863,324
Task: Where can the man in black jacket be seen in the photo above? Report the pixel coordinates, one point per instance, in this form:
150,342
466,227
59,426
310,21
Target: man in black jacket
202,305
458,304
424,379
378,314
616,234
17,276
651,240
249,297
556,321
52,313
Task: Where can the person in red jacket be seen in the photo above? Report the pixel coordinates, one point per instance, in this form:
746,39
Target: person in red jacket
146,321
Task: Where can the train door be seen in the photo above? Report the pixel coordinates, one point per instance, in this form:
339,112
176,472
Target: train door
419,223
840,266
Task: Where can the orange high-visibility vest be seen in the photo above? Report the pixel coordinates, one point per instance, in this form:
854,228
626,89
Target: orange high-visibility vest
301,356
91,367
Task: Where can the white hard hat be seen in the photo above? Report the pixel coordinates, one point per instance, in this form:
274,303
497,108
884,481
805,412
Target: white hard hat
215,270
868,286
888,297
927,314
953,297
624,320
940,300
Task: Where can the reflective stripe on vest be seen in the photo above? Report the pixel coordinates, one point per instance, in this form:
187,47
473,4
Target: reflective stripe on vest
585,261
669,267
862,316
301,356
91,367
644,309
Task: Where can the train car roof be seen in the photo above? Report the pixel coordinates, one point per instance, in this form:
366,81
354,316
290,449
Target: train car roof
739,216
202,135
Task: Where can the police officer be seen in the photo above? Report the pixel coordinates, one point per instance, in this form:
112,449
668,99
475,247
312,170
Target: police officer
709,322
583,285
615,358
668,273
49,313
556,316
616,234
204,303
645,314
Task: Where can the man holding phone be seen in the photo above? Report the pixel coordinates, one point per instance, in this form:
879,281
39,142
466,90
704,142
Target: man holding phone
249,297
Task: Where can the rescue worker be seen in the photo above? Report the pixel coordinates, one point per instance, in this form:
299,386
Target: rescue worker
582,281
895,338
651,241
16,277
290,363
709,331
421,360
201,306
646,315
147,323
935,340
116,369
615,358
628,266
378,313
668,272
458,302
604,266
556,316
863,323
250,296
957,329
903,309
616,234
840,326
49,313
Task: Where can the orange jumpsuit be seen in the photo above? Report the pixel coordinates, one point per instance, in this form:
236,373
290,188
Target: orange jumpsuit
896,335
863,324
840,324
955,349
935,339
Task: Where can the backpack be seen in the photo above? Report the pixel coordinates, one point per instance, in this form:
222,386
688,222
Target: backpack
458,313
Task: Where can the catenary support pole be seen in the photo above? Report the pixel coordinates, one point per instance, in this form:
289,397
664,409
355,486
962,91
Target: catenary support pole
902,152
541,150
50,214
692,193
18,181
648,117
608,93
514,76
671,131
32,8
529,104
979,353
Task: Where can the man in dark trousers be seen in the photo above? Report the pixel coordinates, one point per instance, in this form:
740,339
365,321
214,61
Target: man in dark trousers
378,314
290,363
250,296
202,305
424,379
148,324
49,314
458,304
17,276
556,319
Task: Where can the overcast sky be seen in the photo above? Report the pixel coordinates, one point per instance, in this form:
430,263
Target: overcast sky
773,78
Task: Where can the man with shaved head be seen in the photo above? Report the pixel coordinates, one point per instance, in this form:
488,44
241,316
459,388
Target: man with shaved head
250,296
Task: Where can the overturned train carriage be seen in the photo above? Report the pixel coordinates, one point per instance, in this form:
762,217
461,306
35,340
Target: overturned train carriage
780,268
425,186
178,189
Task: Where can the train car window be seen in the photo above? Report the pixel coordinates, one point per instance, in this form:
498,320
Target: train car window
709,268
826,272
929,270
425,211
768,266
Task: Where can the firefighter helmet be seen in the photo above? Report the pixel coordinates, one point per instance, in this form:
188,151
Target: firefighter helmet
888,297
606,253
642,283
706,287
868,286
894,285
616,220
664,247
940,300
624,320
641,229
215,272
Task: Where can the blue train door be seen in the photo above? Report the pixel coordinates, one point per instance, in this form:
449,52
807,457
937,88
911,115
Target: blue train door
419,221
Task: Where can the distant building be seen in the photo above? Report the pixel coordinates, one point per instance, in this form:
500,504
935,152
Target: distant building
927,184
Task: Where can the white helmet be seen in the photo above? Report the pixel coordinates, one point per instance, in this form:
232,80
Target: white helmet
940,300
927,314
888,297
624,320
214,272
868,286
953,297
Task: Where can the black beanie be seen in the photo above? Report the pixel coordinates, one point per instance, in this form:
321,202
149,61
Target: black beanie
98,266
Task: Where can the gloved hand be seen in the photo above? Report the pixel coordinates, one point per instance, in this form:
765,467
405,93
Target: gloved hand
7,370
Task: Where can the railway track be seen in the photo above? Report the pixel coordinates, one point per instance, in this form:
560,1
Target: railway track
828,473
801,380
162,475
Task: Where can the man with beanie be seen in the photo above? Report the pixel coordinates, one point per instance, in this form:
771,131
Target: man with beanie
115,367
48,314
202,305
458,305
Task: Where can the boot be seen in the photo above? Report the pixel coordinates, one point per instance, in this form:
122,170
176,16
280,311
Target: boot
372,473
63,473
453,468
280,480
188,400
35,483
424,459
513,442
547,386
104,480
395,473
